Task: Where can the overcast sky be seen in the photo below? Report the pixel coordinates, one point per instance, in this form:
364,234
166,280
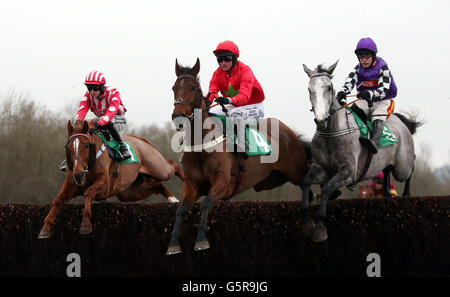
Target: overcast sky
49,46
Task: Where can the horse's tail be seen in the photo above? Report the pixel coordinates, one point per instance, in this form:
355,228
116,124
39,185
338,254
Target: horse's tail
178,171
306,146
412,123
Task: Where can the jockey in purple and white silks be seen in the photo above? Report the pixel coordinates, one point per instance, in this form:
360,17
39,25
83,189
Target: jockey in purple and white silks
375,85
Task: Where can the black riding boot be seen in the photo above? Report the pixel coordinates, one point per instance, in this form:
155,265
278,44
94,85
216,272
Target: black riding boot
124,152
378,127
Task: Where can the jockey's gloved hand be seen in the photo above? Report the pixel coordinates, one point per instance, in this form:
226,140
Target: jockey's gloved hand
341,98
366,95
223,100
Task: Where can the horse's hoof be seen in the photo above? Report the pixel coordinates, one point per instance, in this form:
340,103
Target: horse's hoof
44,234
172,250
308,229
320,233
85,229
201,245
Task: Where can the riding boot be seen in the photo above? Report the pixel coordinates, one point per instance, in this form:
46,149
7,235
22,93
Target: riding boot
378,127
123,150
240,147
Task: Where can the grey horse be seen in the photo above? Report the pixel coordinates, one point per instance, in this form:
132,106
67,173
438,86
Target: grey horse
339,159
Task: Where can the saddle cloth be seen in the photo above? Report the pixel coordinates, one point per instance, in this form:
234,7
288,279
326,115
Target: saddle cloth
256,143
386,139
113,149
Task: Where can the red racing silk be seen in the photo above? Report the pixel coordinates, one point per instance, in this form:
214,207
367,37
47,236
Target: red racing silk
240,85
105,107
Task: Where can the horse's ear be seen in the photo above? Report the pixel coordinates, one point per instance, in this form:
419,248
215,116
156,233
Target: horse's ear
196,68
178,69
85,127
69,127
307,70
332,67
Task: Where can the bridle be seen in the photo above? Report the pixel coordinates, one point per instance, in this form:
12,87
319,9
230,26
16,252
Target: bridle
180,100
93,155
331,111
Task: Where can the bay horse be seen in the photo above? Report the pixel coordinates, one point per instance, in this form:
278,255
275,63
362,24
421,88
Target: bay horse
92,173
217,173
339,159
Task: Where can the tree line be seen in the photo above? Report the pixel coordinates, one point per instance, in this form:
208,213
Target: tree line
32,140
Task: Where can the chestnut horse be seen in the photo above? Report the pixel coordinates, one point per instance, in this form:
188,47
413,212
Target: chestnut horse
220,174
92,173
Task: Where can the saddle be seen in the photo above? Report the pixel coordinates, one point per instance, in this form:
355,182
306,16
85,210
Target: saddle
256,143
365,127
113,146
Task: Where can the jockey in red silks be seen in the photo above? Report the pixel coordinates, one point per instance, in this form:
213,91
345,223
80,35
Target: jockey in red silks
242,95
377,185
106,104
375,85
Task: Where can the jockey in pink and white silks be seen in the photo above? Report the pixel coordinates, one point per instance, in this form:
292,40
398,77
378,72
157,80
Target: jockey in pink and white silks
375,85
106,104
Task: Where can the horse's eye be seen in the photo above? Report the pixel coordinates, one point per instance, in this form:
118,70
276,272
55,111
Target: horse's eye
86,145
193,88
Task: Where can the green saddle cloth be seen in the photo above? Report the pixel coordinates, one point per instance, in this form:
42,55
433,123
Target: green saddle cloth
256,142
386,139
113,149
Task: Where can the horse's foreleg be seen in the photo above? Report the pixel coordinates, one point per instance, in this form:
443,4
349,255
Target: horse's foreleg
67,192
342,178
90,194
174,244
190,194
202,243
315,175
218,191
